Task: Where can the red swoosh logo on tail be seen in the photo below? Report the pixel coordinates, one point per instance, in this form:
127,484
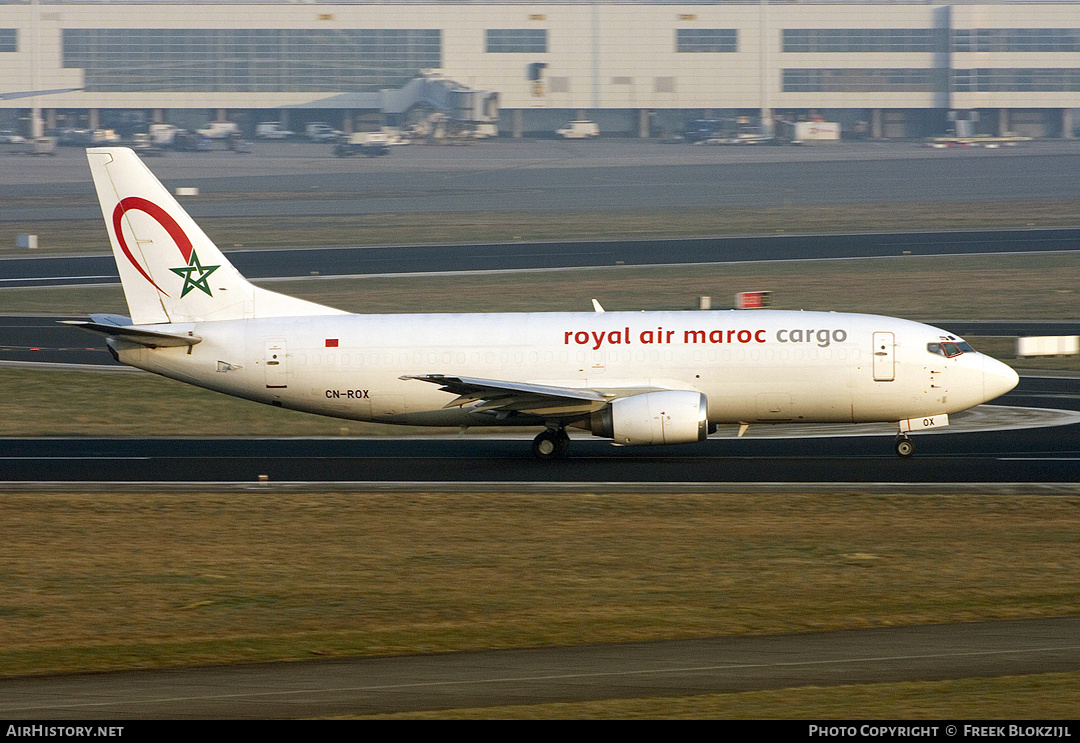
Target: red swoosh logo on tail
162,217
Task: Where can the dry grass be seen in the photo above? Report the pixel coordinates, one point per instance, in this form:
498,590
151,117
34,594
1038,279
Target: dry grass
78,403
52,402
917,287
88,236
123,580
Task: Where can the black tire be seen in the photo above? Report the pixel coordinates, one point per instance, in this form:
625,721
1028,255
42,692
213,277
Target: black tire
562,442
546,446
905,447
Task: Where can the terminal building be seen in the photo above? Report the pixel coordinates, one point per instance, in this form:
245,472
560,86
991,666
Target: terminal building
882,69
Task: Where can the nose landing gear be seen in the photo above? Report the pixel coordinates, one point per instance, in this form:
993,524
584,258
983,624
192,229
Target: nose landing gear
551,444
905,447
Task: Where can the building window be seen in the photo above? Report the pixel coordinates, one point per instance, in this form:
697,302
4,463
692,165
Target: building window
1025,80
516,40
898,80
1016,40
872,40
9,40
249,60
706,40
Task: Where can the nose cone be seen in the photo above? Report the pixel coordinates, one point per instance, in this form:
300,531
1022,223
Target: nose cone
998,378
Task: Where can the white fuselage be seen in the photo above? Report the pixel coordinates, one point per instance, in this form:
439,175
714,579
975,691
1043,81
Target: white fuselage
753,366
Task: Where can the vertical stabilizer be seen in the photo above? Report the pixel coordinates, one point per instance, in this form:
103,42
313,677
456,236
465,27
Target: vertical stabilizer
170,269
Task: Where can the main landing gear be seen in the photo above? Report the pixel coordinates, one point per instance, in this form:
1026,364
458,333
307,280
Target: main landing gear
905,447
551,444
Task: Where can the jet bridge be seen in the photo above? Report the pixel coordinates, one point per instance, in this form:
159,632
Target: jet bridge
457,102
436,106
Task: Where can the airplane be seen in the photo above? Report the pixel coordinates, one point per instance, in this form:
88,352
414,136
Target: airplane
637,378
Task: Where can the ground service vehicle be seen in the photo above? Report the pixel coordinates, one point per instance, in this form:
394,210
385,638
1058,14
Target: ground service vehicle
369,144
220,130
579,130
318,131
272,130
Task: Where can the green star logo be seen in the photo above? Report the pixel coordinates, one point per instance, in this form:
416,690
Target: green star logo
195,275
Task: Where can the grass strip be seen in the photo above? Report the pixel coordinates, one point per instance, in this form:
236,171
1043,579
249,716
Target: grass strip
120,580
88,236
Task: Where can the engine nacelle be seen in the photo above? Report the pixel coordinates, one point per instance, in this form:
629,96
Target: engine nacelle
668,417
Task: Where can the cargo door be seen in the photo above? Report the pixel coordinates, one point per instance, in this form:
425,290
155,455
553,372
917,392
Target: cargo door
774,407
884,357
274,363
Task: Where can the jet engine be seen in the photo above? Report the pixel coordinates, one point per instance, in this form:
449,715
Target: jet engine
668,417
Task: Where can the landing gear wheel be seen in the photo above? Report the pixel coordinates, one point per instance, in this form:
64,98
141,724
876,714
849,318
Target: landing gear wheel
550,444
546,446
562,441
905,447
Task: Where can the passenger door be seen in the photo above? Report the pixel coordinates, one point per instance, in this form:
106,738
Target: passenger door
884,357
274,363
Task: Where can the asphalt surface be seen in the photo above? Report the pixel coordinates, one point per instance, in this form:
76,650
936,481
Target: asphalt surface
43,339
539,175
1049,454
360,261
360,686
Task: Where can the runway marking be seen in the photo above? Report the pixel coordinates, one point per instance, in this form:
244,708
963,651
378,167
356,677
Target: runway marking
551,677
92,459
1038,459
65,278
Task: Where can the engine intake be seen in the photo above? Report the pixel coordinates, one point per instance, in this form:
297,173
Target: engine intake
668,417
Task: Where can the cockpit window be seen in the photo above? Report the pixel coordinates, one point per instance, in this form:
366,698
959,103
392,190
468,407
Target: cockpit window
948,349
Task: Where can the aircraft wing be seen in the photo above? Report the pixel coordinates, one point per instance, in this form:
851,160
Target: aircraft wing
520,397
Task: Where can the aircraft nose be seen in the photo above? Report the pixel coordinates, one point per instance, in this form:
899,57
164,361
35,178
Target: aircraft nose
998,378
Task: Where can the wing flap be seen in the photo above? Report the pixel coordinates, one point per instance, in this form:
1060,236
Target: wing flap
490,395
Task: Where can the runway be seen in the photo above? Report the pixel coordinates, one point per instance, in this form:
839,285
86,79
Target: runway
366,261
991,444
1043,455
364,686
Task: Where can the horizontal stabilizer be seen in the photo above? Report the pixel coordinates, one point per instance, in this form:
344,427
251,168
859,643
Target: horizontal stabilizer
148,338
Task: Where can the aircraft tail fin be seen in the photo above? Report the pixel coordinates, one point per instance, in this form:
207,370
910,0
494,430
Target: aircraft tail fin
171,271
